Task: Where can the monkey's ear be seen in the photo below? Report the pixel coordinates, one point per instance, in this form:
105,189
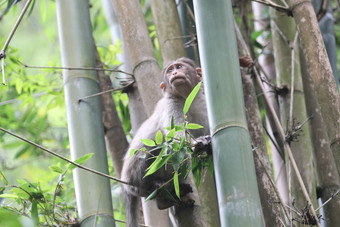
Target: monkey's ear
199,72
162,86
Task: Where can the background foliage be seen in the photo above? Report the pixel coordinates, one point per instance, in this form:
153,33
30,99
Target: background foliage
32,105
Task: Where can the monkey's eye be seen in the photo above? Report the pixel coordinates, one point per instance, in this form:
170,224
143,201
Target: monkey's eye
170,70
179,66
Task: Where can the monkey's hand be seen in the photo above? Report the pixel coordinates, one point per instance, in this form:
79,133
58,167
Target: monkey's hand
203,144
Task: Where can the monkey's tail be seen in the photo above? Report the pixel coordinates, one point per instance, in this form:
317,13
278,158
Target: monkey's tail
131,209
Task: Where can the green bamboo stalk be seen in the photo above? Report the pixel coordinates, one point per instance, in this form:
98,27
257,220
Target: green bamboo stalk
237,190
171,45
85,126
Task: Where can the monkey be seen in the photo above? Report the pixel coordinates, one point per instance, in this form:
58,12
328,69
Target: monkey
179,78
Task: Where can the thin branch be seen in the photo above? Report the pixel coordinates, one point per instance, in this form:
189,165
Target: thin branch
328,200
323,9
107,91
281,33
280,8
3,71
63,158
9,38
75,68
290,119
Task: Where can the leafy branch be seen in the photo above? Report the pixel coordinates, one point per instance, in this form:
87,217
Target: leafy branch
74,163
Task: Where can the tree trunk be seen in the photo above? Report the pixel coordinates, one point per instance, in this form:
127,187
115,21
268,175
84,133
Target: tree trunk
283,36
266,61
142,58
320,71
84,118
115,137
326,25
271,210
168,29
327,174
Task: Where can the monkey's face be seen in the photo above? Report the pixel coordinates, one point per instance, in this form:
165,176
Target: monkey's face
180,78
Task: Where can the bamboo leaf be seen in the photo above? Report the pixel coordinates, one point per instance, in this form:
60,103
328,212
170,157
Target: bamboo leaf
132,152
56,169
3,178
12,196
172,122
158,165
152,195
155,162
35,213
191,97
193,126
170,135
81,160
176,184
148,142
159,137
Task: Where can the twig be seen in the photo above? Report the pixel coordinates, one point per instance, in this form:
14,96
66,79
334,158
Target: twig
290,120
63,158
9,38
328,200
75,68
107,91
3,71
275,6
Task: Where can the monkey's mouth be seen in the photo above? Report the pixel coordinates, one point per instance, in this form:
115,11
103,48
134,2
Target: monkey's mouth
177,78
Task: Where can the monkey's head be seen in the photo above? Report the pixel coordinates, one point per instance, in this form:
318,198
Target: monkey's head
180,77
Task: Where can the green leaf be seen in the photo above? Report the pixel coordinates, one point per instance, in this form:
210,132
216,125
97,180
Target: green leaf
56,169
34,213
176,184
148,142
158,163
81,160
84,158
170,135
191,97
12,196
157,159
18,85
3,178
193,126
196,171
177,158
132,152
182,143
172,125
159,137
152,195
43,10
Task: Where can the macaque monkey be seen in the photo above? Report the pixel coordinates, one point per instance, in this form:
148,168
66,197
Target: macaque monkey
179,78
